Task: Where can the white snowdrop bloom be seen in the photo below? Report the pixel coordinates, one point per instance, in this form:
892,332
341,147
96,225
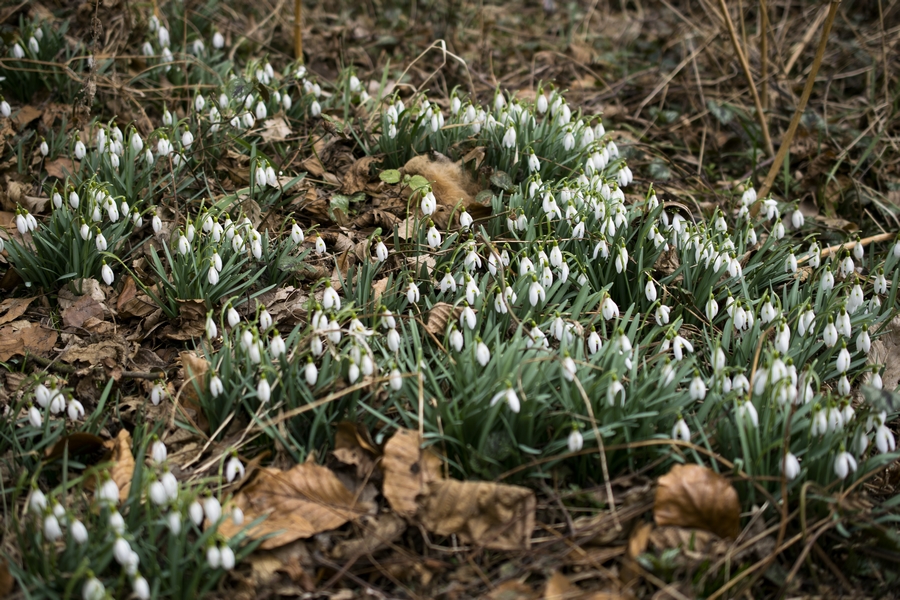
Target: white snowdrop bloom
844,464
719,361
748,197
381,251
662,315
212,275
827,280
534,164
834,418
107,274
679,346
315,109
100,242
783,338
541,103
52,529
830,334
433,237
248,120
734,267
595,343
768,313
536,292
790,263
856,299
843,386
75,409
778,230
601,249
195,511
482,353
884,439
846,267
842,363
212,509
697,388
263,389
116,521
352,372
575,441
121,551
797,219
412,292
448,283
847,413
232,316
320,245
158,494
863,341
213,557
227,558
163,36
546,276
261,111
296,234
509,396
265,319
509,138
614,390
880,284
80,150
79,532
806,322
158,452
622,259
45,150
330,298
896,249
93,589
396,380
740,383
456,339
467,317
233,468
681,431
746,411
569,144
843,323
472,291
650,291
790,467
712,308
5,108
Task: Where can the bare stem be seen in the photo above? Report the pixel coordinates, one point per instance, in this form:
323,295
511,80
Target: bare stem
807,90
298,30
764,51
746,67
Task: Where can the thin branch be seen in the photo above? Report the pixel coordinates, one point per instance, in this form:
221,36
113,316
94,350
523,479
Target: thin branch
764,51
746,67
807,90
298,30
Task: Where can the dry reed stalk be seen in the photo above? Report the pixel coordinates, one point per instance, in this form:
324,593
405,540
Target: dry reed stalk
298,30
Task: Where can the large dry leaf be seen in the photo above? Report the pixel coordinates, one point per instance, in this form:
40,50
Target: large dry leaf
299,503
85,307
13,308
276,129
26,115
21,337
375,533
487,514
61,167
120,455
407,471
695,496
357,177
195,369
438,317
107,351
7,581
637,545
352,447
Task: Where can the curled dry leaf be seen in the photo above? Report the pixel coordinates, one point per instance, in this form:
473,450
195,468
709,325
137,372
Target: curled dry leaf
122,470
637,545
407,471
488,514
299,503
20,337
352,447
13,308
375,533
276,129
195,369
695,496
85,307
438,317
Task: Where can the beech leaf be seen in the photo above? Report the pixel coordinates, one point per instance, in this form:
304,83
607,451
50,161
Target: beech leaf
695,496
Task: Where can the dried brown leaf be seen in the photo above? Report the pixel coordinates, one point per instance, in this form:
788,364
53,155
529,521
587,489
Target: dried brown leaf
351,448
438,317
7,582
78,443
276,129
26,115
84,308
99,353
123,462
376,533
357,177
559,588
61,167
21,336
637,545
299,503
13,308
407,471
484,513
695,496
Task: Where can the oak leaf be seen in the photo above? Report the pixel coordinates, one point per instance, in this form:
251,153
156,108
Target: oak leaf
22,336
695,496
407,471
299,503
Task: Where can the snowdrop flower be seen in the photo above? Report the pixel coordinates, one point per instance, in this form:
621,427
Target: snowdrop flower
830,334
621,258
668,373
52,529
93,589
712,307
884,439
433,237
163,35
261,112
5,109
783,338
227,557
650,291
843,360
158,494
381,251
843,386
697,388
681,431
748,197
734,267
509,396
863,341
213,557
662,315
158,451
429,203
719,360
17,51
482,353
843,323
472,290
212,509
615,389
107,273
320,245
448,283
315,109
467,317
330,298
311,372
747,412
534,164
233,468
778,230
79,532
157,392
509,140
844,464
75,410
232,316
535,292
575,442
609,309
797,219
679,345
412,293
790,467
846,267
456,338
594,342
806,322
195,511
790,263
